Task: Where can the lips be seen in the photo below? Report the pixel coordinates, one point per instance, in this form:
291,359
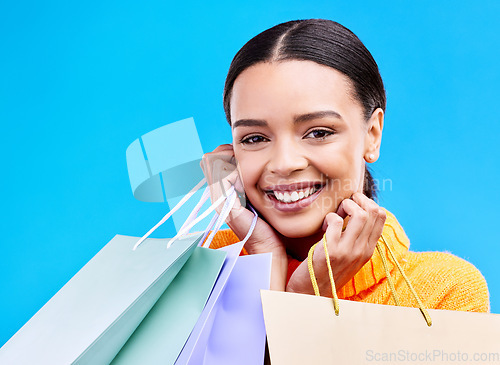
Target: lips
293,192
293,196
294,200
293,187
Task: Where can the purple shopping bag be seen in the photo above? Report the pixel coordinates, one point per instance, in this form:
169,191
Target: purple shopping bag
199,336
231,330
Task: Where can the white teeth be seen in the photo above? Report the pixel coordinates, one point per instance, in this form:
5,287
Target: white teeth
294,196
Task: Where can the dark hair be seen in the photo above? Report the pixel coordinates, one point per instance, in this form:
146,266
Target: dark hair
325,42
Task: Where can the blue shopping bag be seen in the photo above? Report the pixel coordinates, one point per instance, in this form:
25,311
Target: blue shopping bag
161,335
164,331
94,314
91,318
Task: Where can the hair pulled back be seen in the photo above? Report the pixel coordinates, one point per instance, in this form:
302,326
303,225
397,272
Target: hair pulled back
322,41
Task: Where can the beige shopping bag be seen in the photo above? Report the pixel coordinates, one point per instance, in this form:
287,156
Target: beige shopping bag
303,329
306,329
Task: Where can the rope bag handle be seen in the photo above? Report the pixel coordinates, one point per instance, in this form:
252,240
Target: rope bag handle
335,298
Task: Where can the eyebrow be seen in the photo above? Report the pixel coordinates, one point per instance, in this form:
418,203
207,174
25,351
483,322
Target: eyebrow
297,120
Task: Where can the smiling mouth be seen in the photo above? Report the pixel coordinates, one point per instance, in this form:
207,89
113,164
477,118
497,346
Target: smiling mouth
294,196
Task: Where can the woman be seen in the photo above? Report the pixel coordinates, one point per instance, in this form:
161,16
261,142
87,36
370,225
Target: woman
305,102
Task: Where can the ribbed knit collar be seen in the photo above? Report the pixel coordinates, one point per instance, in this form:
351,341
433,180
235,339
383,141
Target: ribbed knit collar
373,271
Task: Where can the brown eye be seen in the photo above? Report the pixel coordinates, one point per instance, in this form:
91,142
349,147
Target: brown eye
319,134
252,140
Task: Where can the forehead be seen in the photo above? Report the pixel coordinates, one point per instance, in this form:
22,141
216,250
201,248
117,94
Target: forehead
267,90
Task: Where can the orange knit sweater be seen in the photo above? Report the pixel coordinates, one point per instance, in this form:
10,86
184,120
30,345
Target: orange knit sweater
442,280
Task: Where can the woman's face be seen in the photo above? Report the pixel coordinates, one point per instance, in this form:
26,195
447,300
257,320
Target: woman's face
299,133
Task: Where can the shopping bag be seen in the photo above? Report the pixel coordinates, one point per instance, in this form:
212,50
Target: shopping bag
319,330
162,334
164,331
233,331
201,331
199,336
91,318
238,335
93,315
303,329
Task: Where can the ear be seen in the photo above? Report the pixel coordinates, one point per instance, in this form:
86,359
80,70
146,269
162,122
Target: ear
373,136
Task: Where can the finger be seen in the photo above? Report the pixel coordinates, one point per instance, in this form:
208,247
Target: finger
218,149
239,218
378,227
341,212
222,172
375,222
223,183
224,147
370,207
333,232
239,185
223,176
221,153
230,177
357,221
333,224
218,166
210,158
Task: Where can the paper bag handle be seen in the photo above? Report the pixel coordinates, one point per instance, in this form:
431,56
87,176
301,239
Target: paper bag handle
314,282
193,219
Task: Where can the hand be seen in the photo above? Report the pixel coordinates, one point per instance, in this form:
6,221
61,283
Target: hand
220,169
348,250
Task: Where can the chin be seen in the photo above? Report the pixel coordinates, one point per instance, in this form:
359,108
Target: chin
296,230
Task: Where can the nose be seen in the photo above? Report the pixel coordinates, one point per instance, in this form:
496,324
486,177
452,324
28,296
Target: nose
287,157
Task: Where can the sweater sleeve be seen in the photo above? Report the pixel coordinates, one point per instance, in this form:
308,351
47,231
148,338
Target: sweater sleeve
449,282
469,291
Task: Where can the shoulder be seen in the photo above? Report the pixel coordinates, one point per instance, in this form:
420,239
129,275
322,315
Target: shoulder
448,281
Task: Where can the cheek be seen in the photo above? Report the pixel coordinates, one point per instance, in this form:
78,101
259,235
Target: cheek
344,171
250,169
336,163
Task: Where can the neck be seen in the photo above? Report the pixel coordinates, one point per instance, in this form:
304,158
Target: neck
299,247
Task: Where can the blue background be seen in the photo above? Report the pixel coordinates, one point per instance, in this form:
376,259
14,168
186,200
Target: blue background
79,82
